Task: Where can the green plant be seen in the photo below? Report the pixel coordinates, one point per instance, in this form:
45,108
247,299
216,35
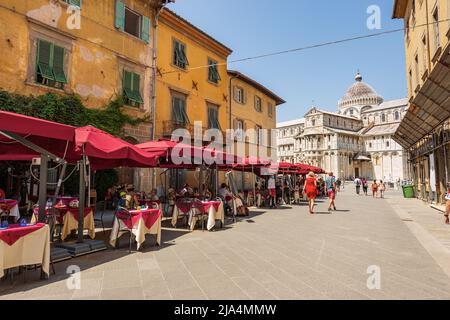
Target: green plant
70,110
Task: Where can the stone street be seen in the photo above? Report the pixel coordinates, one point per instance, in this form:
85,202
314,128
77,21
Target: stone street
273,254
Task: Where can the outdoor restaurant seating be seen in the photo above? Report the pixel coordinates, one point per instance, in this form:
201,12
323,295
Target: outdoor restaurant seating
137,223
22,244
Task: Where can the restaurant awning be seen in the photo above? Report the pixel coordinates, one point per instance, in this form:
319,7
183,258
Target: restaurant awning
429,107
105,151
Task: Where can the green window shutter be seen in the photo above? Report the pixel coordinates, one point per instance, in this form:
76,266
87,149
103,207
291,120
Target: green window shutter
44,56
145,32
76,3
120,15
136,88
127,84
58,64
182,105
210,118
183,54
175,53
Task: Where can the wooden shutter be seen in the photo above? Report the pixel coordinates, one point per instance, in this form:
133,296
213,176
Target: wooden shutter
76,3
184,111
44,55
127,84
136,87
58,64
145,29
120,15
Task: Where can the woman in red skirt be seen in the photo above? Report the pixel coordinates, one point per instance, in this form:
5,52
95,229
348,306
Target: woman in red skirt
311,190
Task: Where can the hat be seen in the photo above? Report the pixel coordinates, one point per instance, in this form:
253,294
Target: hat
447,196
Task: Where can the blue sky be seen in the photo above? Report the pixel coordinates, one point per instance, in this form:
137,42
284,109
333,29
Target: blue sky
253,27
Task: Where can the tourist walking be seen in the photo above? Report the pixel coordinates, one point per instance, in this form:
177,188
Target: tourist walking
365,185
358,185
338,184
374,189
331,190
447,207
311,190
272,192
382,188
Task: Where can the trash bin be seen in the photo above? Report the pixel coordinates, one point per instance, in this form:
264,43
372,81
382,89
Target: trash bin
408,191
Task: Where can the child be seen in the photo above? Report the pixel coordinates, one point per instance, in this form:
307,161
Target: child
375,189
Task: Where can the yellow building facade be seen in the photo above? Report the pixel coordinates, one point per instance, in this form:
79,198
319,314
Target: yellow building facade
191,77
97,50
191,85
253,117
425,129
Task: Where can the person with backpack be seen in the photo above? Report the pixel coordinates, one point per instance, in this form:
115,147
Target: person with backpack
358,185
330,183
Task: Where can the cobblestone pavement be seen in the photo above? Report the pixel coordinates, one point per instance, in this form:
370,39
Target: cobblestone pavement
274,254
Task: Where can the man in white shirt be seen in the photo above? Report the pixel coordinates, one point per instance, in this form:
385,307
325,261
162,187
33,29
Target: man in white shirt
272,191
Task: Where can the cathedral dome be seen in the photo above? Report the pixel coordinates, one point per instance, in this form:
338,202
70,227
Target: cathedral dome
359,94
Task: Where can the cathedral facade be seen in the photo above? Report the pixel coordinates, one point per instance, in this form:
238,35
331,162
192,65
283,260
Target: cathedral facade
355,141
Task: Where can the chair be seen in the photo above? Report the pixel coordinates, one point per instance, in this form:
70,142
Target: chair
100,206
199,211
124,215
181,202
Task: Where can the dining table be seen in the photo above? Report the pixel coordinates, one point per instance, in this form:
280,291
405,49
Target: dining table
140,223
68,217
23,245
11,206
195,209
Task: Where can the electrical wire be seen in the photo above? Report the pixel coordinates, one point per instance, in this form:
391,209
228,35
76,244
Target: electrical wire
323,44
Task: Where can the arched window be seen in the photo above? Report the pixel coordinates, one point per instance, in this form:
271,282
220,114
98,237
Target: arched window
397,115
383,117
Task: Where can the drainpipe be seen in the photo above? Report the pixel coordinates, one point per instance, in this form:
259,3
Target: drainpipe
154,75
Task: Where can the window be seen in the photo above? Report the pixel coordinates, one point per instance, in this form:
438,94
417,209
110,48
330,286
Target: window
132,89
269,138
50,64
436,28
213,117
132,22
397,115
259,137
76,3
270,109
258,104
383,117
179,115
387,144
370,144
424,52
213,73
179,55
351,112
239,130
239,95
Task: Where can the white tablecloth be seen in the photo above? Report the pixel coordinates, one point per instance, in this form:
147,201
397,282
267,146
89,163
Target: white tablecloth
139,231
34,248
213,215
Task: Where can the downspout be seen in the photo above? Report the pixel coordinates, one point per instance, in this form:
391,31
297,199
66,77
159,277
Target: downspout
154,81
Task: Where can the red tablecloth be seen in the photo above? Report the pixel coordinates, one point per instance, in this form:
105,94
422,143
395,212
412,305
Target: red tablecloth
65,200
15,232
184,207
149,216
7,204
62,211
207,205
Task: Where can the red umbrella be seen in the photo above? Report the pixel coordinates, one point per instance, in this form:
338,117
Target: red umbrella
105,151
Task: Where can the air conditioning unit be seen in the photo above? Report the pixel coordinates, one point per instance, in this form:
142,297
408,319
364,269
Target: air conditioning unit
36,161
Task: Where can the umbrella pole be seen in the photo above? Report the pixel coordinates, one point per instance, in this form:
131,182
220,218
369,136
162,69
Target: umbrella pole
82,200
43,188
254,188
